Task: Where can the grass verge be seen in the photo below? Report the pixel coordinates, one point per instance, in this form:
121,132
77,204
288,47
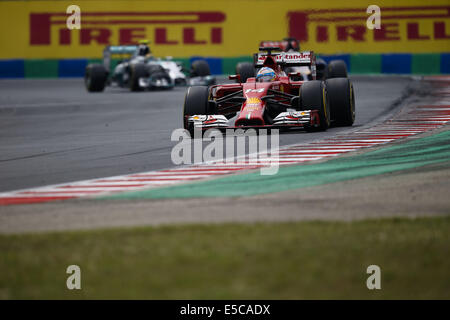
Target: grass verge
314,260
407,155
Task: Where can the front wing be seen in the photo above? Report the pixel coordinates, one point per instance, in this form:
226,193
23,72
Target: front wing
292,119
161,83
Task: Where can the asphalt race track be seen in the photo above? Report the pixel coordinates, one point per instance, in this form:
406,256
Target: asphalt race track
53,131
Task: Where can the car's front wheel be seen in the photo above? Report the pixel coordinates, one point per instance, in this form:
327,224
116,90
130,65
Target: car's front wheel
95,77
137,71
342,101
195,103
314,96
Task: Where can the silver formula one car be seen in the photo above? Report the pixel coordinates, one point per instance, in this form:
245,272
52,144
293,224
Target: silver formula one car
139,72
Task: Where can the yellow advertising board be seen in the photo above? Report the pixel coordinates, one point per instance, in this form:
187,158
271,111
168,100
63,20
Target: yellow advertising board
218,28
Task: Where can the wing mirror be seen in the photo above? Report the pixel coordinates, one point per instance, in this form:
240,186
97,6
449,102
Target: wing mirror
294,74
236,77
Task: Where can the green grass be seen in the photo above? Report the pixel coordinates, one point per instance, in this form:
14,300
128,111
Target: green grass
236,261
407,155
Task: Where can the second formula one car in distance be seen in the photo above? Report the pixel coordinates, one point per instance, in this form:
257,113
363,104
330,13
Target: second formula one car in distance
324,70
272,99
138,70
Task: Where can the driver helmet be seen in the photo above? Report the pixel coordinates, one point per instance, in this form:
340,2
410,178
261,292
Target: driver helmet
143,48
266,74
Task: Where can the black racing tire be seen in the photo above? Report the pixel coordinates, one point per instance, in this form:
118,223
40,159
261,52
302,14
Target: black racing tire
314,96
245,70
200,68
337,69
321,69
180,82
95,77
195,102
342,101
137,71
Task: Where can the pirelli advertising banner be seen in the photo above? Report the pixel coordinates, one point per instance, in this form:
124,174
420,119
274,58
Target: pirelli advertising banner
216,28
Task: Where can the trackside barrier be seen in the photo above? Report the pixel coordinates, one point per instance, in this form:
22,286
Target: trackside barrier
412,38
357,64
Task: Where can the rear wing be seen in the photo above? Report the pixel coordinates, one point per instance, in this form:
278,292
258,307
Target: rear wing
280,44
286,59
110,51
305,58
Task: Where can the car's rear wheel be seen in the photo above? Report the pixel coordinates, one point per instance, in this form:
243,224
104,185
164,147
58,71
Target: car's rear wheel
337,69
195,103
95,77
137,71
321,69
314,96
245,70
200,68
342,101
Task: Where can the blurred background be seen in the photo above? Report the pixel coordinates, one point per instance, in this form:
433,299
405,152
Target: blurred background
190,244
413,38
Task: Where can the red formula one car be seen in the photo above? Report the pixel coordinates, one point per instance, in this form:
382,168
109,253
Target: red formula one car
272,99
324,70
